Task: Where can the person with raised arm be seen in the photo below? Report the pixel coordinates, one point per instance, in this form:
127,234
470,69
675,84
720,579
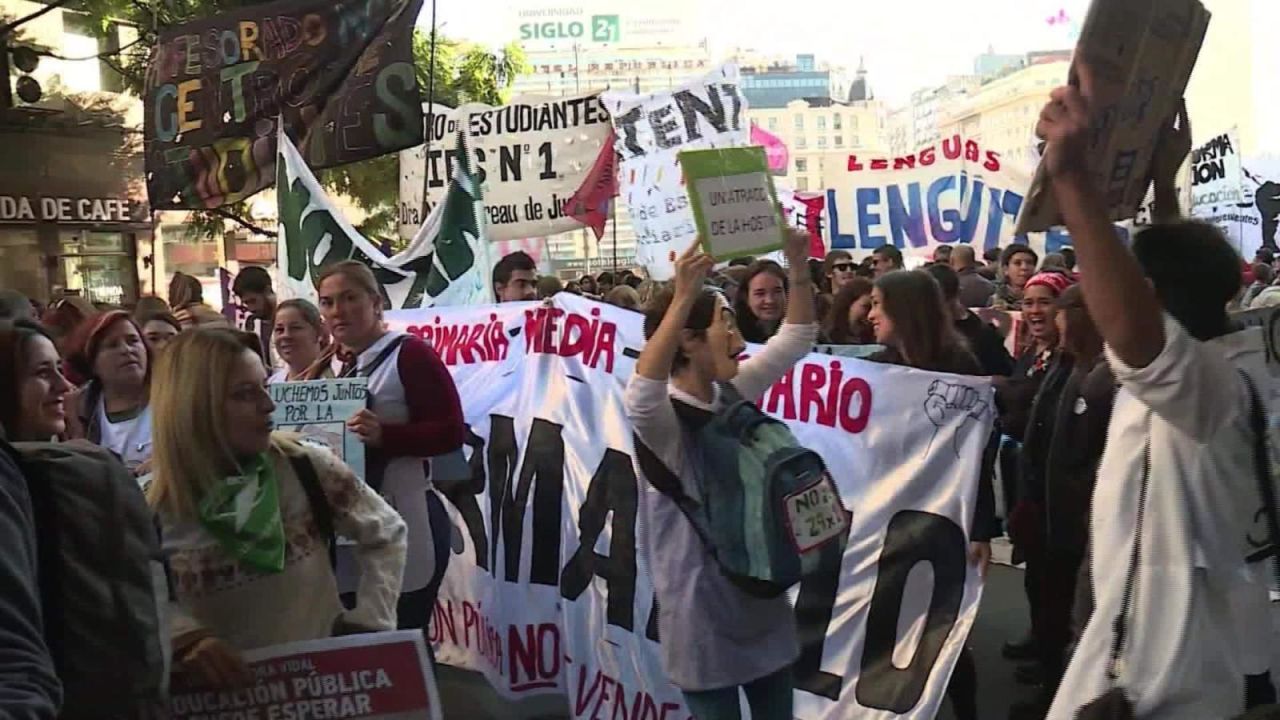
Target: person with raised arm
716,637
1181,616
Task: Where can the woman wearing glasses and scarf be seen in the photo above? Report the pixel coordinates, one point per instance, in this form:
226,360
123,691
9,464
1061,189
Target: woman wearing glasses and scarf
413,414
249,580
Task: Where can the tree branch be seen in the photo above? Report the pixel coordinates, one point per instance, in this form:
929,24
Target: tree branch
6,29
227,214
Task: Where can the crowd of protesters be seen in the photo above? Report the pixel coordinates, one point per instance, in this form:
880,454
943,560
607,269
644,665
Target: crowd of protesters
1125,451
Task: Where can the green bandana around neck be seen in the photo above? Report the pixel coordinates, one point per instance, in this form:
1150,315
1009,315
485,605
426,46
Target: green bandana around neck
243,514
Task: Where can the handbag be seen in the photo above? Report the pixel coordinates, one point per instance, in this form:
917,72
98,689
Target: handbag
1115,704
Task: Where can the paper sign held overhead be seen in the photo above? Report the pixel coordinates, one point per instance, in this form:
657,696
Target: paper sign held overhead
734,203
1141,54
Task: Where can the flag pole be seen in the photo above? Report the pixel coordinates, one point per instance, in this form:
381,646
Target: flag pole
431,104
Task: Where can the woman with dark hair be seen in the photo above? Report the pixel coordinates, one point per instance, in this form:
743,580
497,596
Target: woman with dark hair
184,291
846,321
761,302
413,415
32,389
299,337
717,638
1024,400
1064,444
112,409
158,328
911,320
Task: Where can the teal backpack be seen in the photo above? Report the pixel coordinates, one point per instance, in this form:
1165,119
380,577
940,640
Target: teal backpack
770,512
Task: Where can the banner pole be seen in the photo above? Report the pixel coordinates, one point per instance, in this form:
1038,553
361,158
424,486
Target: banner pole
614,206
431,104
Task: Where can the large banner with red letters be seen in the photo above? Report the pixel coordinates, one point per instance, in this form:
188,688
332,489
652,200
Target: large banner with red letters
548,589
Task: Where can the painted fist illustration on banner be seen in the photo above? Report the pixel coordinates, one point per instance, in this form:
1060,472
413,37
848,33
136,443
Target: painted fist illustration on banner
947,401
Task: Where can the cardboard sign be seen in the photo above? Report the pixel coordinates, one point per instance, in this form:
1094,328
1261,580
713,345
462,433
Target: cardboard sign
319,409
734,203
374,676
341,76
1141,53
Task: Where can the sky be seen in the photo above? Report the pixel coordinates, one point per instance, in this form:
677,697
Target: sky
907,44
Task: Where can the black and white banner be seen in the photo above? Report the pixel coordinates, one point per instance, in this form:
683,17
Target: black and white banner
549,587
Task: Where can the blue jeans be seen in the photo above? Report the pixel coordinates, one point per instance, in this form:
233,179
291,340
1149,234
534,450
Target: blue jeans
769,697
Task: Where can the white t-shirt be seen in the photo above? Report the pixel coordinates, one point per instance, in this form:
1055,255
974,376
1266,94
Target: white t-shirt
130,439
1198,622
279,376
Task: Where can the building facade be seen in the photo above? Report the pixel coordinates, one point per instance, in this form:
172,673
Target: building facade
820,134
74,217
1002,114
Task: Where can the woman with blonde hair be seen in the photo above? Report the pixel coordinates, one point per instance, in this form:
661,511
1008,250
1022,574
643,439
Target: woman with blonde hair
247,516
413,415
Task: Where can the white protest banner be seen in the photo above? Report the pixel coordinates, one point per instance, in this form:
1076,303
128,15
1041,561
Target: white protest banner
318,410
549,587
651,130
1254,222
1140,53
1217,177
545,165
375,676
734,202
445,264
952,192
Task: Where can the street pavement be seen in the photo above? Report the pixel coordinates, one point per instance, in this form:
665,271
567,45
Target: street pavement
1002,616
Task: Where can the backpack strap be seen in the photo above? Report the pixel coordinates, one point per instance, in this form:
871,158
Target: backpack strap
377,361
1262,467
321,510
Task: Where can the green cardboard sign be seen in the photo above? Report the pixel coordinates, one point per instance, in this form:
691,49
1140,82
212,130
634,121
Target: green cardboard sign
734,202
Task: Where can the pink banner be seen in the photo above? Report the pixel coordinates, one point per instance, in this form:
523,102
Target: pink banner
774,149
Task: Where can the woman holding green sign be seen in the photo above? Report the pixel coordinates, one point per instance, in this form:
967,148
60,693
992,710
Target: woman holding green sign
717,636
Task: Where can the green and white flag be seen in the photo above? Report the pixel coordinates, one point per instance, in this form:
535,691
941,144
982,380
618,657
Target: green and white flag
446,263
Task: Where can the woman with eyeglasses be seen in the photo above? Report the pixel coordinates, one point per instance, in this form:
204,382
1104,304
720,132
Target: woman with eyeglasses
299,336
113,409
413,414
238,517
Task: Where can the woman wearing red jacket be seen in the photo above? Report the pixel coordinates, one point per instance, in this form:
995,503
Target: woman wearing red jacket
412,414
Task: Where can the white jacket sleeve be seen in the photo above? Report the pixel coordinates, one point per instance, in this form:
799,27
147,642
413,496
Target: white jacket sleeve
1191,385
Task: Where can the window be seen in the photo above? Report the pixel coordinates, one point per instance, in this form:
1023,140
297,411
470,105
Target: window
799,122
839,141
836,121
802,164
802,184
822,122
853,123
822,142
773,123
801,144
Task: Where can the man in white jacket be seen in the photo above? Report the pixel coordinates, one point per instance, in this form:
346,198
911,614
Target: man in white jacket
1179,468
